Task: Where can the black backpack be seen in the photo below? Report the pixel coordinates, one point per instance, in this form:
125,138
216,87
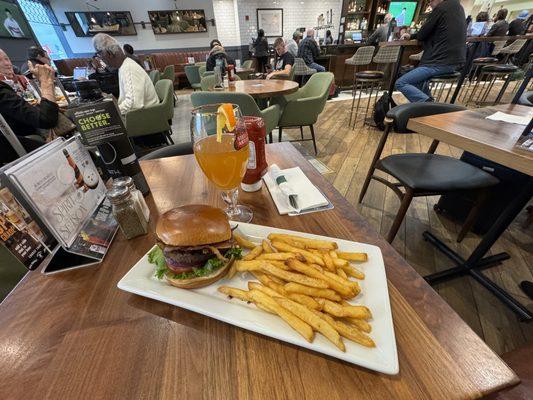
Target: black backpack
382,107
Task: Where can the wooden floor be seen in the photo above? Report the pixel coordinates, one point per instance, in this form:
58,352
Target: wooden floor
347,154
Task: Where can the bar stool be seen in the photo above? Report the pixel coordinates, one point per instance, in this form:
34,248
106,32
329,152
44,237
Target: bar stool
490,74
301,69
363,56
424,174
373,79
512,49
438,84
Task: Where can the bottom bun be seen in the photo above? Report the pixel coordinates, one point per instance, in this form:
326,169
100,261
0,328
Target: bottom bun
201,281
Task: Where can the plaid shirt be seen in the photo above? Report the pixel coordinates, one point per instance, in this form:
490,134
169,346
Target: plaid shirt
308,50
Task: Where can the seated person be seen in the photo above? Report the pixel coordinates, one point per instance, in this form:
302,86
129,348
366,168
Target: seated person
22,117
136,89
500,26
292,44
283,62
216,53
308,50
443,38
128,51
381,34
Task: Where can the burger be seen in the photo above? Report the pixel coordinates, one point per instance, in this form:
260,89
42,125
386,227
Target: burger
195,246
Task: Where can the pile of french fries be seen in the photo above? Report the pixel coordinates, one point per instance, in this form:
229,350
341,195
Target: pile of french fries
307,283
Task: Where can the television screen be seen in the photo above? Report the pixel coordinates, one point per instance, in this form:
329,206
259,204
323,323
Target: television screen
13,24
177,21
89,23
357,36
403,12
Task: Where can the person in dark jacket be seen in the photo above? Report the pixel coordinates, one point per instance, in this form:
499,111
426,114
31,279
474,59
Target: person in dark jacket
443,38
518,25
22,117
381,34
309,51
217,52
500,26
129,52
261,51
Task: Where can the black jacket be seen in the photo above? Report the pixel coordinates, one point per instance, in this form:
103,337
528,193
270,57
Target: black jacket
212,61
261,47
517,27
499,28
443,36
23,118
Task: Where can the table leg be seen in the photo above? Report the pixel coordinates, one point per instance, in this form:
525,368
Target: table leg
477,260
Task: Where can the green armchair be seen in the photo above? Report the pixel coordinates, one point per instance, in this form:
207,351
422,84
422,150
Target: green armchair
208,81
169,73
248,64
303,107
155,76
154,119
245,102
193,75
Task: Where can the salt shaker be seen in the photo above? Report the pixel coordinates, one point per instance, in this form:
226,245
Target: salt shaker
136,193
127,213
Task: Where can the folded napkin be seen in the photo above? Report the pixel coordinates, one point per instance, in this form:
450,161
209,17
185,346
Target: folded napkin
308,197
512,119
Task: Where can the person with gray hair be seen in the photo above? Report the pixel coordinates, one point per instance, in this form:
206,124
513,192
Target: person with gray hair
136,89
382,33
308,50
292,44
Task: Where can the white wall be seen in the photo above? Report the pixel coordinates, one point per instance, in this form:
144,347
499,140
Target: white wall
227,21
145,39
296,14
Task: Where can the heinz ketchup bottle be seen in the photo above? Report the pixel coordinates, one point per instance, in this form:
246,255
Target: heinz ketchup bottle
257,164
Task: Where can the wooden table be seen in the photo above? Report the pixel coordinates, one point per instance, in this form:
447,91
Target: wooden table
263,88
75,335
494,140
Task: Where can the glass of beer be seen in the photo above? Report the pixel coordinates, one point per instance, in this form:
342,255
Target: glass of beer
220,143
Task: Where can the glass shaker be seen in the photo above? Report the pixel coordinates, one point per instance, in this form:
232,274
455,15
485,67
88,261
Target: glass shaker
136,193
127,213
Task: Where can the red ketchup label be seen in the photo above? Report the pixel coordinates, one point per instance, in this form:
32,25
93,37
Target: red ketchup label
241,136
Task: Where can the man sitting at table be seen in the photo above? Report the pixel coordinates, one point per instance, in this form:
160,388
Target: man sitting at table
136,89
283,62
382,33
443,38
308,50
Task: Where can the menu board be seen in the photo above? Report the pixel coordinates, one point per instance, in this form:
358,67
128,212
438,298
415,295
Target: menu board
63,186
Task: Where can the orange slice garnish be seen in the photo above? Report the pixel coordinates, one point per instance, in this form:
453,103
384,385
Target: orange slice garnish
225,118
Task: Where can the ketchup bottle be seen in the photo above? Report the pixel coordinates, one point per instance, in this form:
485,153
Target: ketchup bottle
257,164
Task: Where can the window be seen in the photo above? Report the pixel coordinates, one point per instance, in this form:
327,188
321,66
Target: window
45,26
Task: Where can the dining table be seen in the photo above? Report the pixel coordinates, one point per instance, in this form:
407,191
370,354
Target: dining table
261,88
496,141
76,335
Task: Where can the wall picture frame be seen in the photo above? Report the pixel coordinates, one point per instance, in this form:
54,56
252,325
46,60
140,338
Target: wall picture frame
271,21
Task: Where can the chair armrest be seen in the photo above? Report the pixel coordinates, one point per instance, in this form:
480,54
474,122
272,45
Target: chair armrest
271,116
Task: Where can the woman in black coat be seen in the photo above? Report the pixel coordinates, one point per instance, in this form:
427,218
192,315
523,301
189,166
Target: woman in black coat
261,51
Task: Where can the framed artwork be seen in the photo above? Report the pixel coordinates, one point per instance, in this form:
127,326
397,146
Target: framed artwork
177,21
271,21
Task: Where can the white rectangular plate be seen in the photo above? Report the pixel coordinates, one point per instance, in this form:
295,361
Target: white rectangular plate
208,301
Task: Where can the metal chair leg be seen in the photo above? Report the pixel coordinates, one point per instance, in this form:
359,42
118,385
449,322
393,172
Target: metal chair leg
302,132
280,133
368,103
361,84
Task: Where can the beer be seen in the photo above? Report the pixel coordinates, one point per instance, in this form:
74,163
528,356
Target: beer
221,163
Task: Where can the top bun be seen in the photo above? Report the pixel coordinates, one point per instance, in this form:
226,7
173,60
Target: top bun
193,225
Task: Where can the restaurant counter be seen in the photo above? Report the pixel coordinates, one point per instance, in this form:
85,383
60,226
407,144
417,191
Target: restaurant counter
333,57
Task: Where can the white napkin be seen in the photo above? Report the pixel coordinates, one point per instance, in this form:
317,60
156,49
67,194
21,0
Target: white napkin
512,119
309,197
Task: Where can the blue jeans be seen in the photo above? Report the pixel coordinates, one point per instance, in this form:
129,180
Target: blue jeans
414,84
318,67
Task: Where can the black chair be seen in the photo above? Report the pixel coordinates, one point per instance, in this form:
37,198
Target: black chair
424,174
172,150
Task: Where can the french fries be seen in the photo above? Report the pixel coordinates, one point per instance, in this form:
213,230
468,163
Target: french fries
306,282
310,318
267,248
359,257
338,310
309,257
292,287
332,283
243,242
292,277
309,243
254,253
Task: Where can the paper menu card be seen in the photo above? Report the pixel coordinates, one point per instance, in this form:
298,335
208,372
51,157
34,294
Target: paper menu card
63,186
309,197
510,118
